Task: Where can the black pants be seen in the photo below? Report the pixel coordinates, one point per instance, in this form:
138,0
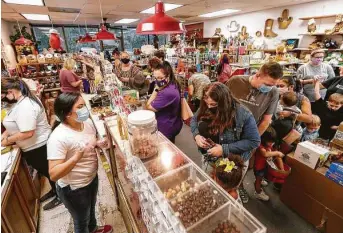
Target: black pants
81,205
38,159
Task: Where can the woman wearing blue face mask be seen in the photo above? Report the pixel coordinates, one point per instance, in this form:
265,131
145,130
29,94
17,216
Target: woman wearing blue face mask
314,70
73,162
166,101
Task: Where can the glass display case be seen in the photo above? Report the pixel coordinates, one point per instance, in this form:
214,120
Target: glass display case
169,193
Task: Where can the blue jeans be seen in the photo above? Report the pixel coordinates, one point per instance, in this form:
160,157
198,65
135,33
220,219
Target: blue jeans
81,205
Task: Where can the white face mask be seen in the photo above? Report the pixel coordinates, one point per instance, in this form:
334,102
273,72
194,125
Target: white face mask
282,90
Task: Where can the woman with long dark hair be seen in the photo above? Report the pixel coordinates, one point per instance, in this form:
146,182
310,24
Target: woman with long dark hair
73,162
224,70
27,126
222,126
166,101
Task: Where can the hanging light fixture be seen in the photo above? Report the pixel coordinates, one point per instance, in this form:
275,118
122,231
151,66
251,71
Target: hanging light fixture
103,34
87,38
22,40
160,23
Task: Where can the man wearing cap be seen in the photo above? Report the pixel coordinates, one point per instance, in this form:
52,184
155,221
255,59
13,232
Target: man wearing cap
313,70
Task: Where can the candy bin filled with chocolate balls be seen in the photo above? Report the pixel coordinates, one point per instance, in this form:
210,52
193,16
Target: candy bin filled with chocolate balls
142,127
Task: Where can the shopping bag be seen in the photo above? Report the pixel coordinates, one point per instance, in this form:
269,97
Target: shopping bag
186,111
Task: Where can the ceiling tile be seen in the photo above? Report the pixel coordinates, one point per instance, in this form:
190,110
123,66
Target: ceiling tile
65,3
94,8
29,9
61,15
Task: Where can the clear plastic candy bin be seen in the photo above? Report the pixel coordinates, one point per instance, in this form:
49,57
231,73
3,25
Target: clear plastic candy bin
232,218
179,181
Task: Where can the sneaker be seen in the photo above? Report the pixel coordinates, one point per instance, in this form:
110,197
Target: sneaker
47,196
104,229
243,195
52,204
264,183
262,196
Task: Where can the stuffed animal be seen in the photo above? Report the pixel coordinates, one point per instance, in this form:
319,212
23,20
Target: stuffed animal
281,53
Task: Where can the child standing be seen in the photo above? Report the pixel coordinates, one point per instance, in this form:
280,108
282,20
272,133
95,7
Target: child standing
311,131
228,174
331,113
263,153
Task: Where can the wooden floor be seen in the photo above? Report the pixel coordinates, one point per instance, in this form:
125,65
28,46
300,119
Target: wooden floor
58,220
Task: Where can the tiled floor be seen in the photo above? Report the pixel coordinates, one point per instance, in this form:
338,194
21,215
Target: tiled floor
58,220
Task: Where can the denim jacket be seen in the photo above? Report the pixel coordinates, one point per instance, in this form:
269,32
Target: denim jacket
242,139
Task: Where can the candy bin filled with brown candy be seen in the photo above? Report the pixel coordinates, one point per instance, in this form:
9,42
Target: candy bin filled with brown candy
230,218
197,204
142,127
176,183
165,162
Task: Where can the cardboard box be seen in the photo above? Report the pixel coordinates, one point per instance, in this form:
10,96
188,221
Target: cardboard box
311,154
337,141
334,177
336,167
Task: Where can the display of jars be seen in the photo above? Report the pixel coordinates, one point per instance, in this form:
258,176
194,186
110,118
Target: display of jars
142,127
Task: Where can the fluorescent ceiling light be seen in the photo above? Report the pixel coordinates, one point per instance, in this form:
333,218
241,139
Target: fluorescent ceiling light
26,2
167,7
37,17
218,13
123,21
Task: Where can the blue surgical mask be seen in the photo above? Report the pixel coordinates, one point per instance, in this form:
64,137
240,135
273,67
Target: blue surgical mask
161,83
82,114
265,89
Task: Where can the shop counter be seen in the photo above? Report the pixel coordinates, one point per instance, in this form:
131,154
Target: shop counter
19,195
313,196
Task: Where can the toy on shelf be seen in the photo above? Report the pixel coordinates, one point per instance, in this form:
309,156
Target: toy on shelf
268,29
311,26
330,43
284,21
316,44
338,28
281,53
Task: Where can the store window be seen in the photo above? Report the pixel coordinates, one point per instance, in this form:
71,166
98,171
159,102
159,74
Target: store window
42,37
110,45
162,39
132,40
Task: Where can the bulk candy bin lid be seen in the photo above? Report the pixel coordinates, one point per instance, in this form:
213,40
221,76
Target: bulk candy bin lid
141,117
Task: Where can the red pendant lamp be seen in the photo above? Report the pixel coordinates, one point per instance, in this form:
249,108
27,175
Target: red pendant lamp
22,40
87,38
160,23
103,34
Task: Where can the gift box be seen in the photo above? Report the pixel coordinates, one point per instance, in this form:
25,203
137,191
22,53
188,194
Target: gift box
334,177
310,154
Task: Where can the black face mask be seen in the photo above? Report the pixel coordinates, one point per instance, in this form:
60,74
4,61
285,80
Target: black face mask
125,60
213,110
10,101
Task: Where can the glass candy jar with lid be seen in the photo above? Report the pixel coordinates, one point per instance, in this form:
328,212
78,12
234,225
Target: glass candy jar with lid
142,127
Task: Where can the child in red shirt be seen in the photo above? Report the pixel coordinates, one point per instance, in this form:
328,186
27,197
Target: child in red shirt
263,153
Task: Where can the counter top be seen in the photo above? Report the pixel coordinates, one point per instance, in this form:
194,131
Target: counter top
8,162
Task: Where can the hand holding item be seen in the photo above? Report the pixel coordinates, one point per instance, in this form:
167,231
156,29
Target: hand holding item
216,151
201,142
280,154
103,143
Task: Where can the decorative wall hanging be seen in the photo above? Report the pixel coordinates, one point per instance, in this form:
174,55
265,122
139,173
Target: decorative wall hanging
268,29
243,35
311,27
338,27
258,34
233,27
284,21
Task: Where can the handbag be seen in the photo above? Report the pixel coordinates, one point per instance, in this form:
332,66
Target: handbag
186,111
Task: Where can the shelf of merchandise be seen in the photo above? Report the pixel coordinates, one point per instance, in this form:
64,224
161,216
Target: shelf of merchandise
308,49
43,63
318,17
321,34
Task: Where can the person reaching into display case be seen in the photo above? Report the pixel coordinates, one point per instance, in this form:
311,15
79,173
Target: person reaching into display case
166,101
27,126
224,70
222,126
73,162
314,70
131,75
70,82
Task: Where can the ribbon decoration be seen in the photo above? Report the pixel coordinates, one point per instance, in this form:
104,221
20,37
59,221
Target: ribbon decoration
229,164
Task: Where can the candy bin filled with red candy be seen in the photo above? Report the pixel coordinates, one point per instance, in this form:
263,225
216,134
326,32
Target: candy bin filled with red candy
142,127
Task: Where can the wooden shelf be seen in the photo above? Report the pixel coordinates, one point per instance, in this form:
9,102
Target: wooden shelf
45,63
321,34
318,17
263,50
52,89
307,49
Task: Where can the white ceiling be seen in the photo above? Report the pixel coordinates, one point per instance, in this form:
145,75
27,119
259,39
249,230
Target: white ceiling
117,9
